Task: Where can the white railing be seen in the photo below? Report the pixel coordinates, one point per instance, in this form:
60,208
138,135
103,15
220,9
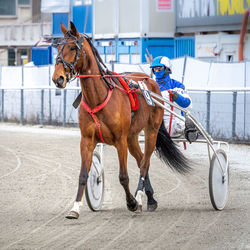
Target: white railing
220,100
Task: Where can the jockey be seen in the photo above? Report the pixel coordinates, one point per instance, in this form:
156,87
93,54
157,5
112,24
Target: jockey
175,92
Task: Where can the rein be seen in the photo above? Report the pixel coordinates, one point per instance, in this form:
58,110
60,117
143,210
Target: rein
111,76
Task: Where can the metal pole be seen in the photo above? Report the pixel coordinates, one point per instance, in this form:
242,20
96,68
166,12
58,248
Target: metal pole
64,107
50,109
2,116
42,107
245,99
234,115
22,100
22,108
184,69
208,110
112,65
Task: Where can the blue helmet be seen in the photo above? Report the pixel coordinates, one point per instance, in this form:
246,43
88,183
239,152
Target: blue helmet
162,61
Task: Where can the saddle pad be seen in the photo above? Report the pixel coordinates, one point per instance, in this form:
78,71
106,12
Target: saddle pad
132,95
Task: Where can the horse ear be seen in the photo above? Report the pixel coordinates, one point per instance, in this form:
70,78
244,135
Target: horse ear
63,29
73,29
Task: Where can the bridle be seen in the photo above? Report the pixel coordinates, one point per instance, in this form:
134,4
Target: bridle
70,75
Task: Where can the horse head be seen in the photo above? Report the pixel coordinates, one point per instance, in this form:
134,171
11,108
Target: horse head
70,52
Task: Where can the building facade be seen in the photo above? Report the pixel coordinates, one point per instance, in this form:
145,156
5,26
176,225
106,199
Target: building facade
21,26
126,31
215,26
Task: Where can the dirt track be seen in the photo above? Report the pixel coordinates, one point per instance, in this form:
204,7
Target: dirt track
38,182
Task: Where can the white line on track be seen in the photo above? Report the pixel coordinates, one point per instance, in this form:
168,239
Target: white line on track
68,205
41,226
92,233
155,242
38,158
201,228
19,163
128,229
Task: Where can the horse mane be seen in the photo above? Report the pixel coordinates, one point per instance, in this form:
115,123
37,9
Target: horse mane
100,62
97,57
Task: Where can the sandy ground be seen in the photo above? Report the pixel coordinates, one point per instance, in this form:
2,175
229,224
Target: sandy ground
38,182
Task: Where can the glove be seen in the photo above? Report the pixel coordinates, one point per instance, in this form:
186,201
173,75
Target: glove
174,95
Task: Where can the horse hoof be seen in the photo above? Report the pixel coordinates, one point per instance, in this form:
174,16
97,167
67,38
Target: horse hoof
72,215
139,209
152,207
132,206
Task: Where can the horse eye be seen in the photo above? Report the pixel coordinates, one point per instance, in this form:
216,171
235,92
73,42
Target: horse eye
72,48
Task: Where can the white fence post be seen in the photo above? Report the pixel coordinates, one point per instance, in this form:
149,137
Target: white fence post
2,97
64,107
42,107
234,115
208,110
50,108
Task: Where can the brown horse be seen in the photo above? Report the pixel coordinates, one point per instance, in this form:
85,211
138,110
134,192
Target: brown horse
114,123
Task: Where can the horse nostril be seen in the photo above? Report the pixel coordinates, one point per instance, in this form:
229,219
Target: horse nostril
60,81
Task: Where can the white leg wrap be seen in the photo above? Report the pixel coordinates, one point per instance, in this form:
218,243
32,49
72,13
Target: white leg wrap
76,207
139,196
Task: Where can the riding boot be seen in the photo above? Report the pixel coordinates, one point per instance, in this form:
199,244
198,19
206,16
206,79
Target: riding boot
191,133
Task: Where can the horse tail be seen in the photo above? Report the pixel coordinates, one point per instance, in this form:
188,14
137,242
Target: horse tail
168,152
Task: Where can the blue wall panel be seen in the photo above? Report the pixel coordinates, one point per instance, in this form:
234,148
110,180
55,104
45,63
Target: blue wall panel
157,47
58,18
41,55
169,47
184,46
82,18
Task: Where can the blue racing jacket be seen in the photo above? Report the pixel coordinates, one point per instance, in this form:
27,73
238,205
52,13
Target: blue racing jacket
166,83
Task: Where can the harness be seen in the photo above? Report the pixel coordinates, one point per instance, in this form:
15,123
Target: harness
96,109
71,75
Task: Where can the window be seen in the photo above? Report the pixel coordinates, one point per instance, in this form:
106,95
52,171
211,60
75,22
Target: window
11,57
23,2
23,56
230,58
8,8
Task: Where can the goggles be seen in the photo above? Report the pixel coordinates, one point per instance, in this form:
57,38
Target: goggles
157,69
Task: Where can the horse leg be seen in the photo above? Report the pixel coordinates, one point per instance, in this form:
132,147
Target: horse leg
150,141
87,149
135,151
122,149
152,203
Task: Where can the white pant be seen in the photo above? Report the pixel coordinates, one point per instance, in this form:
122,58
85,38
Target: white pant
177,126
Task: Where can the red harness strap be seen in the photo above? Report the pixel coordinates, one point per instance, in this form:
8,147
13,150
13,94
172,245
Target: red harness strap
132,95
171,115
96,109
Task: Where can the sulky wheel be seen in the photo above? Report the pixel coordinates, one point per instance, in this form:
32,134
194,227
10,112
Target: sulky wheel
218,182
95,186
